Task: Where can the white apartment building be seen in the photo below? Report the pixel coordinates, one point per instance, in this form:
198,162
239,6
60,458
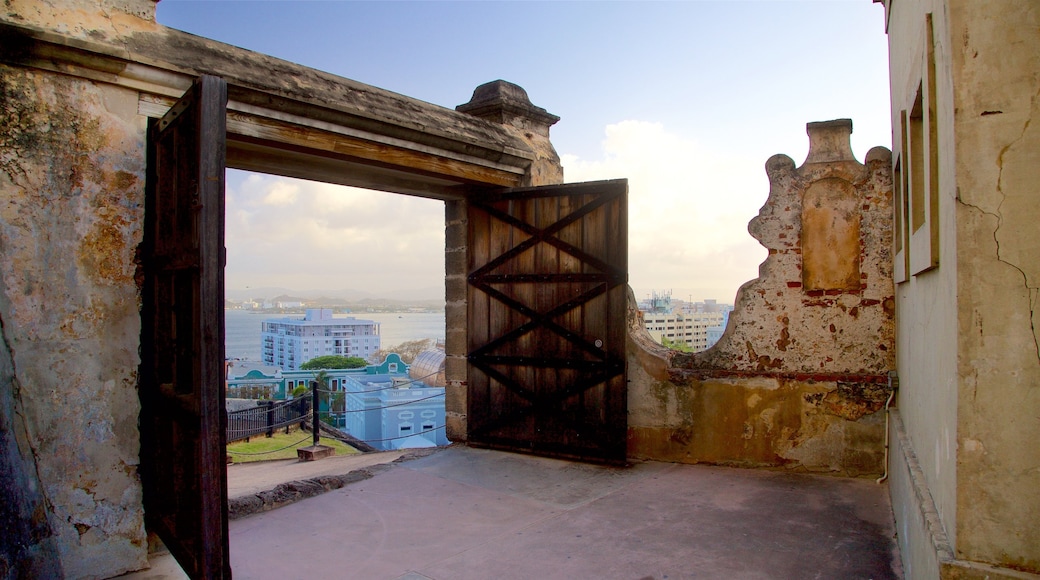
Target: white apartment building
690,328
290,342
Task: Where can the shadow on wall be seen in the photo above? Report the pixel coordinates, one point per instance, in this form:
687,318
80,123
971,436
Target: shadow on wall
800,377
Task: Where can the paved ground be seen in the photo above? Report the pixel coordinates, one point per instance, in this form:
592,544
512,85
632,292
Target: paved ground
473,514
252,478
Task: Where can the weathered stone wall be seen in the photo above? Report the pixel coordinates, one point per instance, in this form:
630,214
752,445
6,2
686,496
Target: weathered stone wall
455,333
72,179
799,378
508,106
97,20
72,183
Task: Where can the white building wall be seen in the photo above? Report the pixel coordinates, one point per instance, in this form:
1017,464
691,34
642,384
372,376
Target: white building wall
290,342
687,328
966,329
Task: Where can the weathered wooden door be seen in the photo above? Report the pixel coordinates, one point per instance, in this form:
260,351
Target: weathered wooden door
182,346
546,316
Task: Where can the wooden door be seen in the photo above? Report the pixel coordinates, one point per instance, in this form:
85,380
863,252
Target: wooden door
546,315
182,340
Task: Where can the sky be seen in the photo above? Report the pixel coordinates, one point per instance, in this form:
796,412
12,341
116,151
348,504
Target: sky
686,99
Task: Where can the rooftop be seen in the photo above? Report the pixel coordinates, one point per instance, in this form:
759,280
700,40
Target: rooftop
464,513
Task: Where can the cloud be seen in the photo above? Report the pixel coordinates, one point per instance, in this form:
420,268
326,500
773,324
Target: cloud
281,193
689,206
308,235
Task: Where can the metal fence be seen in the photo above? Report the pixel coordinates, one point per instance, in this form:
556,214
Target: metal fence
265,418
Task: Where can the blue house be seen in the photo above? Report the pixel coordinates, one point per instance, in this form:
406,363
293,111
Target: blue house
396,410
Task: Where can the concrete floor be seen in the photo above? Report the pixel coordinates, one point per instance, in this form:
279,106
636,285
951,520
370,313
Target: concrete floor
465,513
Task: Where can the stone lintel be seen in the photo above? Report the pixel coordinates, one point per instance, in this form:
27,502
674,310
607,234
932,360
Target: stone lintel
508,104
830,141
318,126
314,452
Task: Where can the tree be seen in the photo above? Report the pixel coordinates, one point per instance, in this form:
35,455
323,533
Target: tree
334,361
676,345
333,401
408,350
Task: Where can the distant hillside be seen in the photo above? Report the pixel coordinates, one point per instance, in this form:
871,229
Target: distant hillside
343,296
382,303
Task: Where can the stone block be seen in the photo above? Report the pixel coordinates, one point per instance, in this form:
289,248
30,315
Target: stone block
454,211
455,368
455,341
315,452
455,289
455,397
454,315
455,261
456,427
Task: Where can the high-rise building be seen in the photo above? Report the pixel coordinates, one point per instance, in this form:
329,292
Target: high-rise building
697,325
690,329
290,342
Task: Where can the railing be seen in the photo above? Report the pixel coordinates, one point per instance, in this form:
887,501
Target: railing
265,418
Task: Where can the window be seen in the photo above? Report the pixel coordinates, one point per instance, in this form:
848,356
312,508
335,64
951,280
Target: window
900,205
919,171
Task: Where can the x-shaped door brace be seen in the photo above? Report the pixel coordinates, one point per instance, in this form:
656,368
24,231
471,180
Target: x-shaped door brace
595,371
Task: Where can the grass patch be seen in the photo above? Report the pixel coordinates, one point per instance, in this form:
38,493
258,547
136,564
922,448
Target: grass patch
291,442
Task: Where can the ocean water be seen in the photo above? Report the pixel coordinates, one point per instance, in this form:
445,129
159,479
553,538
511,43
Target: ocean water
242,329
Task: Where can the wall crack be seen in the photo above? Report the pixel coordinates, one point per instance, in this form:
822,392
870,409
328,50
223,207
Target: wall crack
17,397
115,29
1033,291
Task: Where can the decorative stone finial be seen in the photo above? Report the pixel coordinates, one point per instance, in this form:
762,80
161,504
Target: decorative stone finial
507,103
830,141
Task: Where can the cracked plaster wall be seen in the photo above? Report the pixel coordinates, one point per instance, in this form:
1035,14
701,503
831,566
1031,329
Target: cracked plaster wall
997,129
72,183
967,331
799,377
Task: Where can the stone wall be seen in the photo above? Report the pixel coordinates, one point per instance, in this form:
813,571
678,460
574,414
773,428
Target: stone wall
71,177
800,377
72,170
455,331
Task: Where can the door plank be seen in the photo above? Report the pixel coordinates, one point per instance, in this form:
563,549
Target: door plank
182,341
549,269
